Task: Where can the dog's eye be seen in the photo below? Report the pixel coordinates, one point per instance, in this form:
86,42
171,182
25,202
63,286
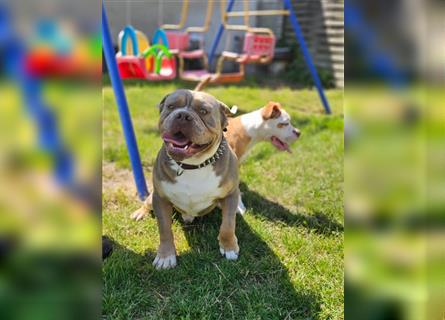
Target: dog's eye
170,107
203,111
282,125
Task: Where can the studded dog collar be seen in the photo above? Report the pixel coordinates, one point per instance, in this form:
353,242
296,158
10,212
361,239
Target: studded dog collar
184,166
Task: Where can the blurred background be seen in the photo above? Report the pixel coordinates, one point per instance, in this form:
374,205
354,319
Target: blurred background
394,161
321,23
50,142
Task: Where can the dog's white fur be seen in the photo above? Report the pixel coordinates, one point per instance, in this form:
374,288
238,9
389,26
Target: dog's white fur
164,263
194,190
259,129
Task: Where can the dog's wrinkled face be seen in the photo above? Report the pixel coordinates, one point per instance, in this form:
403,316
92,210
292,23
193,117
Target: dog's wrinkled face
278,127
191,123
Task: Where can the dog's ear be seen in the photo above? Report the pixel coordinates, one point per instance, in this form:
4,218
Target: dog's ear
271,110
225,112
161,104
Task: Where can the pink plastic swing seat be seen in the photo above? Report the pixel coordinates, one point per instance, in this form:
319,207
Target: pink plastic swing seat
256,47
195,54
195,75
177,40
200,75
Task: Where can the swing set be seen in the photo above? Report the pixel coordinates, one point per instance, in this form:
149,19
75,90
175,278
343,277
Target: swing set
259,45
261,40
160,63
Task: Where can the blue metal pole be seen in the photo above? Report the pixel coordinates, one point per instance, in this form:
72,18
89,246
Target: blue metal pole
376,58
219,34
46,122
122,106
306,54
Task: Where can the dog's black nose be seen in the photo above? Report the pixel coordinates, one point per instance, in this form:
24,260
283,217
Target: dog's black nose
183,116
297,133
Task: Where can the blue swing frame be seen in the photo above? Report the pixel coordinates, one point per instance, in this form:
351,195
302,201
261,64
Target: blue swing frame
123,110
300,39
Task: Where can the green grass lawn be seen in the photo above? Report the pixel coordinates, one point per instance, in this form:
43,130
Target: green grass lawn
291,237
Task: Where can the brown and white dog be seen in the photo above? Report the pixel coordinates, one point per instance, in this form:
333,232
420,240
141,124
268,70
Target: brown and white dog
195,171
269,123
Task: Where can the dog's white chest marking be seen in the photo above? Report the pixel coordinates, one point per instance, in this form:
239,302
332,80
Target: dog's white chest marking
194,190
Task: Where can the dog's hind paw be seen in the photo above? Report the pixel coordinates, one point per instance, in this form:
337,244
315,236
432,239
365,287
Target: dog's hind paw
188,218
164,263
241,208
140,214
229,254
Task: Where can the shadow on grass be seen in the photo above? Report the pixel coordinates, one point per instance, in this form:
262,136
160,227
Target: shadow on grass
273,211
204,285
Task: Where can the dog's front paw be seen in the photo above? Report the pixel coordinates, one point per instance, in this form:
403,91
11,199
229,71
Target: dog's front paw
140,213
164,262
229,254
228,246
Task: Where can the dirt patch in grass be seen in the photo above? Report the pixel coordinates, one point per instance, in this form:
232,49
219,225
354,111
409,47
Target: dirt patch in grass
116,179
118,184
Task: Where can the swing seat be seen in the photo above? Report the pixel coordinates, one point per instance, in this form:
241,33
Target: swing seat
161,63
255,58
177,41
218,77
142,42
231,77
200,75
227,77
167,72
195,75
195,54
258,48
131,67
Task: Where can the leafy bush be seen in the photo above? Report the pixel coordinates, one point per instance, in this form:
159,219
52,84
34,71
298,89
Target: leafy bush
298,72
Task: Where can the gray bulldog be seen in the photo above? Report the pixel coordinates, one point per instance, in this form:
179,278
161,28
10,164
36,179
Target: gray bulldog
195,171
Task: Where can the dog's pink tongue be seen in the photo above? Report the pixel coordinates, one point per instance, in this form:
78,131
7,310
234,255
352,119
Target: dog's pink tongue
280,145
182,141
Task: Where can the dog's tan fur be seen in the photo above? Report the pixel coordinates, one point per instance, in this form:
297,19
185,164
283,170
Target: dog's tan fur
166,181
237,137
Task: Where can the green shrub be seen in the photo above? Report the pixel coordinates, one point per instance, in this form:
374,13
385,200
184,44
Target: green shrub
298,72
